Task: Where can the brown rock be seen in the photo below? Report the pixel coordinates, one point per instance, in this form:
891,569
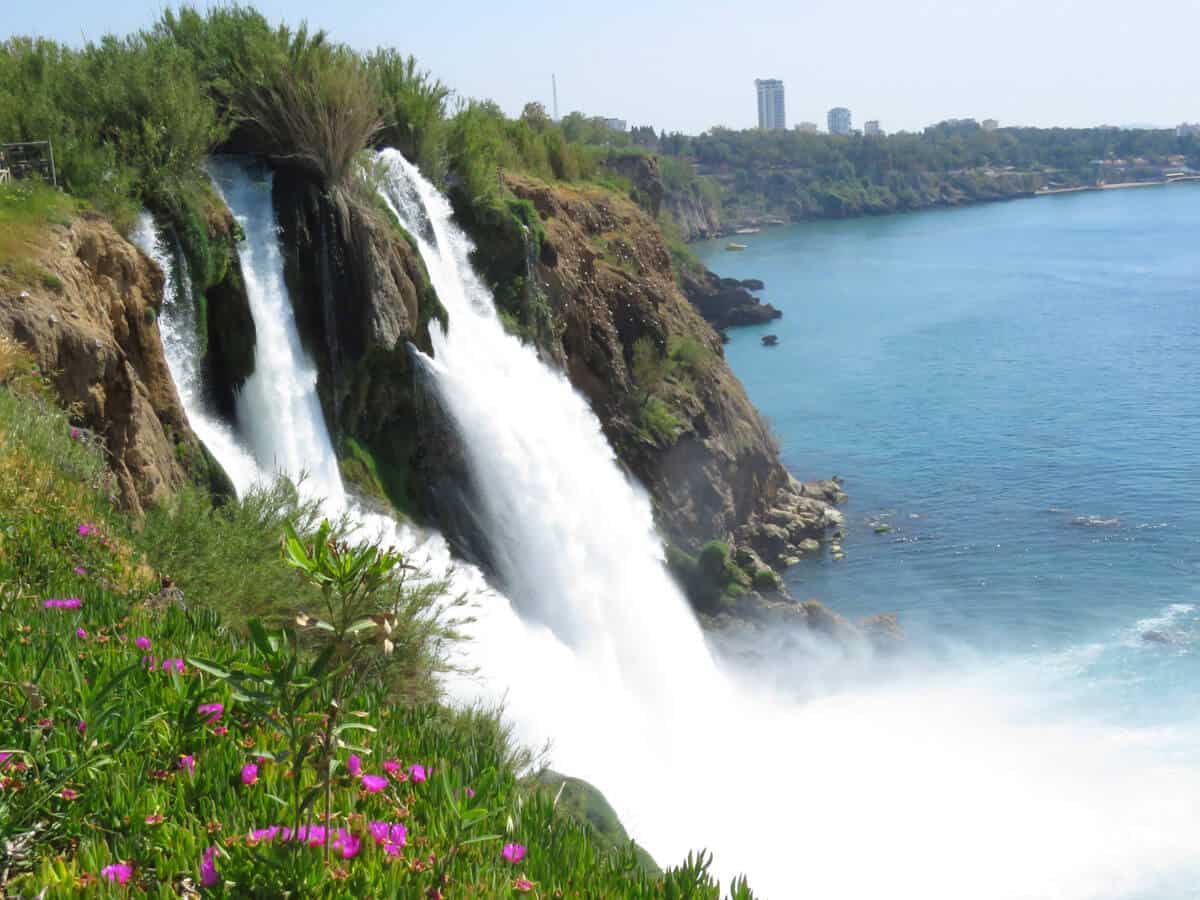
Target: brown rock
97,338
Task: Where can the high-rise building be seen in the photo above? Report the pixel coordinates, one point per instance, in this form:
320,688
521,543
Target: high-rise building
617,124
807,127
990,124
771,111
839,120
872,129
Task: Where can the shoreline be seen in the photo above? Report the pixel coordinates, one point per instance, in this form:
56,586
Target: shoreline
1027,195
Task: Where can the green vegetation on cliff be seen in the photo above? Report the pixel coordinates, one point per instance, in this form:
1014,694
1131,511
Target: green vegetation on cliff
155,738
745,175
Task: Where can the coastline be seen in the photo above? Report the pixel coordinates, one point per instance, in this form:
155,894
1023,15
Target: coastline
769,222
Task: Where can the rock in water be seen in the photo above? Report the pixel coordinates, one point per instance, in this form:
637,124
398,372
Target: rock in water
770,340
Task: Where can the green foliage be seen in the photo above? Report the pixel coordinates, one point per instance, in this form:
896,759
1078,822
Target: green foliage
123,133
766,581
362,467
657,424
712,580
110,756
413,107
800,175
26,208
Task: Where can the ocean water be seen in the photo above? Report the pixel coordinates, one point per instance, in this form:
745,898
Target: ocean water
1013,389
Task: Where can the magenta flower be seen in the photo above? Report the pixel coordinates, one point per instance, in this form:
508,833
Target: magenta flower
75,437
169,664
81,634
418,772
82,726
347,843
354,764
373,784
80,570
188,762
88,528
220,730
391,766
68,794
4,758
142,643
522,884
71,603
214,711
514,853
249,773
208,868
118,872
391,837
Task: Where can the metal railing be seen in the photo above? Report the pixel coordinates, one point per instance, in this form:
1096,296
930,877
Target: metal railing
26,159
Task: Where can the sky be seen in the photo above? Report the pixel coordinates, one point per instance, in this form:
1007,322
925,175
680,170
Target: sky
687,65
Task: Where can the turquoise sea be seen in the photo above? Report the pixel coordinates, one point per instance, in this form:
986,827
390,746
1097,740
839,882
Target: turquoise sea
1013,388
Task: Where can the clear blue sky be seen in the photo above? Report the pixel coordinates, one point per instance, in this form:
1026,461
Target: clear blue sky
689,64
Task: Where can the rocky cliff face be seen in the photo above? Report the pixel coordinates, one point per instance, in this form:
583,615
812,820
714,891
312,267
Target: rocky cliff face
91,324
362,295
696,218
654,373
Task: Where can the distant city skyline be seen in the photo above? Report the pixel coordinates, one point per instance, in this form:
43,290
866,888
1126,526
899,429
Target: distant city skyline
654,64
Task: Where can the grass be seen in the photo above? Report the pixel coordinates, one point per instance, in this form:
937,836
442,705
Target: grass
109,764
26,209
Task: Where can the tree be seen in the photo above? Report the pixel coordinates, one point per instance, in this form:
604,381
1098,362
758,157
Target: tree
534,115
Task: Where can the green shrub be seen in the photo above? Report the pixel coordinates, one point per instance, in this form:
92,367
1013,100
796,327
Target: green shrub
766,581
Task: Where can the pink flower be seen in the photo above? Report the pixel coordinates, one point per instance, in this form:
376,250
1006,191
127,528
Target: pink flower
214,711
142,643
169,664
188,762
80,570
354,764
68,794
4,758
154,819
347,843
471,793
391,766
118,872
86,529
418,772
249,773
522,884
514,853
220,730
75,437
373,784
71,603
82,726
208,868
81,634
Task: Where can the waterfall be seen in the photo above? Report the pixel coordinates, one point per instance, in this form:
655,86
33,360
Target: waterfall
940,783
278,407
180,338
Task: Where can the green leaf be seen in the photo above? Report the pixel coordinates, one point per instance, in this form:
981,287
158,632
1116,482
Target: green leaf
210,667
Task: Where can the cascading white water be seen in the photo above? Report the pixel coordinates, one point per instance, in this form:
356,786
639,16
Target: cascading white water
178,328
278,409
937,784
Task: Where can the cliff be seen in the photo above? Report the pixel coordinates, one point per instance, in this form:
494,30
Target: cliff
84,300
654,373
